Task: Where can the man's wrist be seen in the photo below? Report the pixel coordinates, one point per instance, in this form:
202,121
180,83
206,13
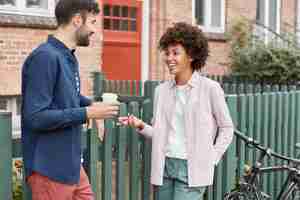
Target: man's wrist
88,113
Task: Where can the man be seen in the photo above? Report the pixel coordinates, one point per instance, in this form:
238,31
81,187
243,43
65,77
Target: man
53,109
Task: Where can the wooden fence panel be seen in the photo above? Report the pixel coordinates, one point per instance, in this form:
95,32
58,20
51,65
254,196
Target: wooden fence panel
297,120
271,138
121,161
272,118
279,137
146,153
107,160
5,155
134,163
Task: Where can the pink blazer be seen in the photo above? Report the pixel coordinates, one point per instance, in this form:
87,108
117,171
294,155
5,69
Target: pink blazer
205,112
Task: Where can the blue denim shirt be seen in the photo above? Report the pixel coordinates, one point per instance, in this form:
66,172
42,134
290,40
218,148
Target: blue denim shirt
53,111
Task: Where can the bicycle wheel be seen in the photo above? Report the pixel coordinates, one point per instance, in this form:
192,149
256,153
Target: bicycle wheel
292,192
296,195
236,195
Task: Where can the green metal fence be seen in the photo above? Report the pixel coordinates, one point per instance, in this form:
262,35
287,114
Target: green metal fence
230,84
274,120
119,166
5,156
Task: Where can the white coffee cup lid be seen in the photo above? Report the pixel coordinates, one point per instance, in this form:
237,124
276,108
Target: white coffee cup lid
110,97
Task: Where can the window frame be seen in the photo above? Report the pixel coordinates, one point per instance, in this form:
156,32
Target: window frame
298,22
129,19
208,16
5,101
267,37
20,9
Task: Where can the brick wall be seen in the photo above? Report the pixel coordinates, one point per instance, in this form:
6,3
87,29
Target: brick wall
15,45
164,12
288,15
17,40
19,35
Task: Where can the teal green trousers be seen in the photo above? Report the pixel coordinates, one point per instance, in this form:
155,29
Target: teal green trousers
175,183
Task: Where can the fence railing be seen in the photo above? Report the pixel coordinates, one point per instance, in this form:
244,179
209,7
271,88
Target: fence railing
274,120
5,156
231,85
119,166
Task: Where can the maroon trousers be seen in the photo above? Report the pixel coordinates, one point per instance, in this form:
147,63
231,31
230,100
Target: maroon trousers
45,189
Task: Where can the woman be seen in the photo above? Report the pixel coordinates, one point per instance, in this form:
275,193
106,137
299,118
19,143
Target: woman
188,111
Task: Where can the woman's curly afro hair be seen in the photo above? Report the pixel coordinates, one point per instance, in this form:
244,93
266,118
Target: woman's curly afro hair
191,38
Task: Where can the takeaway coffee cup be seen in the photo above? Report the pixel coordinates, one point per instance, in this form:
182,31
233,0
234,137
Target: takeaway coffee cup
110,98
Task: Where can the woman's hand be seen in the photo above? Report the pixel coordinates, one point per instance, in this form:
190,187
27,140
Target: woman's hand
132,121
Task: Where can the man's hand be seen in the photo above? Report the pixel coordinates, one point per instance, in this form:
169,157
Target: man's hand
100,128
100,110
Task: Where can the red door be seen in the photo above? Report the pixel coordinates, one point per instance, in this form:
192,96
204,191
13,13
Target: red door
122,39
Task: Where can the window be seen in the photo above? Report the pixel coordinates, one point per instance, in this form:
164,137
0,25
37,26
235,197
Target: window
298,23
19,105
268,19
119,18
28,7
3,104
8,2
12,104
39,4
210,15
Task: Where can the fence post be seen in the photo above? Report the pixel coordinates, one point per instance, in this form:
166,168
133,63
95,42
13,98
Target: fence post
230,165
121,148
5,155
134,162
146,148
106,172
98,85
92,158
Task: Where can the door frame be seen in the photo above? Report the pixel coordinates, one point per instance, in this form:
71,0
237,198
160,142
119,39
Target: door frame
145,59
145,37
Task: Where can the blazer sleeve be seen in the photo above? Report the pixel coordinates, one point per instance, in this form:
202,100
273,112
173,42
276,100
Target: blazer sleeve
148,129
223,120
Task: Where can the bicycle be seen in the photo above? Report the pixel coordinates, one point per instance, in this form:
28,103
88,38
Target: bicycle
249,187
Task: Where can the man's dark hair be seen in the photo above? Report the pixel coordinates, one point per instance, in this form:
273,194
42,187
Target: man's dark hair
191,38
66,9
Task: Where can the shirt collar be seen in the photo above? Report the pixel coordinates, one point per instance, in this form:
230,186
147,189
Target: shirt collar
60,45
191,83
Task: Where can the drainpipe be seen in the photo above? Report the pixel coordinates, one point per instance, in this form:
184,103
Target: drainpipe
145,40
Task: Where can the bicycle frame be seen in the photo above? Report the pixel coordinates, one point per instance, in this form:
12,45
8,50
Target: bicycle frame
250,185
252,180
290,183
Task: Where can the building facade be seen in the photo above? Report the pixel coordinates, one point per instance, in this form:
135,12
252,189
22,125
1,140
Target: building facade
128,36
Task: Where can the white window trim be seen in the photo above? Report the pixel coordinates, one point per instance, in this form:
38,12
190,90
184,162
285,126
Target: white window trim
145,41
298,21
207,20
21,9
16,119
266,22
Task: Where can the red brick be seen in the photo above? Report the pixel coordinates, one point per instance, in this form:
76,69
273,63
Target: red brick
16,43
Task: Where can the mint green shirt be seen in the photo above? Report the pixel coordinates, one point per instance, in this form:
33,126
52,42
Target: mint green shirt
176,137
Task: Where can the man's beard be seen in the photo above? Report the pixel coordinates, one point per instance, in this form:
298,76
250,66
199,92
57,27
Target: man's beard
82,37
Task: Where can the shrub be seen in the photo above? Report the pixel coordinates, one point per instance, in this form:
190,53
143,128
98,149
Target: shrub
276,62
17,180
